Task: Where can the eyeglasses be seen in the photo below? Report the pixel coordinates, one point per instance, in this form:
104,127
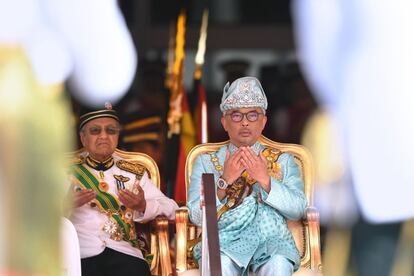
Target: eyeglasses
251,116
109,130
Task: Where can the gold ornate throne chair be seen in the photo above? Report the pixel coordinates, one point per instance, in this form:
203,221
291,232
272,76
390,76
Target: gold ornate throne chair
155,233
305,231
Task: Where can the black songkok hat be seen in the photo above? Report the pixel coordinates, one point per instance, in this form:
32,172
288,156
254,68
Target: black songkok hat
89,115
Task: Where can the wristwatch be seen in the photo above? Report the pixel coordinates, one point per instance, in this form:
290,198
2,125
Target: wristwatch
221,183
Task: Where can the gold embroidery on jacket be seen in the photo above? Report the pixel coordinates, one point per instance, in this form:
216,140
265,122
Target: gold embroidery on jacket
134,168
273,167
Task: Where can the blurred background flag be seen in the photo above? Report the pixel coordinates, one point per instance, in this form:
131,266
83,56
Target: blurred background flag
187,142
200,113
181,133
193,131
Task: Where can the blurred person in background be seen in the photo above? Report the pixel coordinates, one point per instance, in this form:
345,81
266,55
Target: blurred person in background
358,59
43,43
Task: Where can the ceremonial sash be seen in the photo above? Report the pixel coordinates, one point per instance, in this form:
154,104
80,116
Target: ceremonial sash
106,203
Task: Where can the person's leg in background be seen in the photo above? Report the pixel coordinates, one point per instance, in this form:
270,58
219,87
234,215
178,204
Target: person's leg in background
374,247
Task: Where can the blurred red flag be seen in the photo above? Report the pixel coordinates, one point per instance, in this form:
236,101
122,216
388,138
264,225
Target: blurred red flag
186,143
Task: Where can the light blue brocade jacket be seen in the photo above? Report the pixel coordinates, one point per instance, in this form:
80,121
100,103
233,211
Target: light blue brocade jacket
255,230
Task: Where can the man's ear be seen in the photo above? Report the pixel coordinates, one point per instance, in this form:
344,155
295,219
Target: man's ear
264,121
82,138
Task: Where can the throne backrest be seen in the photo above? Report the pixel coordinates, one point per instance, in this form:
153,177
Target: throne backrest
302,158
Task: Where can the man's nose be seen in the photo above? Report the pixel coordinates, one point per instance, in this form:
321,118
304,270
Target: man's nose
244,121
103,134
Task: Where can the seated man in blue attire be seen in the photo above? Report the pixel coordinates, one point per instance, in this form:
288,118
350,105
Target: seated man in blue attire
257,190
110,194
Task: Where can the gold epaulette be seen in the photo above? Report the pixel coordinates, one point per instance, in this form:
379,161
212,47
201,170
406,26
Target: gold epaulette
271,154
134,168
77,160
273,167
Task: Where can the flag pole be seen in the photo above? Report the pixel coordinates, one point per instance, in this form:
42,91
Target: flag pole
201,50
176,82
173,84
199,61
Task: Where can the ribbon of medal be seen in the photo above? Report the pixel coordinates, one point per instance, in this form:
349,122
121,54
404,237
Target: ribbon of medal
120,226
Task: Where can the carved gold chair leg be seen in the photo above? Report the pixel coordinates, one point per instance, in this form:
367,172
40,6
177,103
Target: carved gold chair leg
155,267
161,264
312,217
193,239
181,222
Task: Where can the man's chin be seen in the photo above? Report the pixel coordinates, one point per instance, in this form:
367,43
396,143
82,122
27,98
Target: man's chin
246,141
105,153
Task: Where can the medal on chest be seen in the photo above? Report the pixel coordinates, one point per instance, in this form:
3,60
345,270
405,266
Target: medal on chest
120,181
103,186
111,227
